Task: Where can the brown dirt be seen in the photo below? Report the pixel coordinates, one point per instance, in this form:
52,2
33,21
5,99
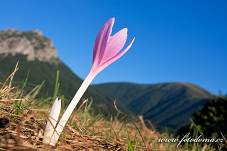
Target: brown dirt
25,132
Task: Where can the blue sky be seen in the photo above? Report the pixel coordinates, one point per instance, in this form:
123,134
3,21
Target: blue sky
175,40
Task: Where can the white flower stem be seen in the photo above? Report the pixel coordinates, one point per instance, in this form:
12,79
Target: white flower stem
70,108
52,120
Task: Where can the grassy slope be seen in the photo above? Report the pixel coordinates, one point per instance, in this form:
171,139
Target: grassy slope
42,71
26,117
166,105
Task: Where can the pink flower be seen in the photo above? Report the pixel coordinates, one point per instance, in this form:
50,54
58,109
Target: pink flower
109,49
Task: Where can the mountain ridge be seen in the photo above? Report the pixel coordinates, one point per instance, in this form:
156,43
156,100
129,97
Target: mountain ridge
165,105
39,71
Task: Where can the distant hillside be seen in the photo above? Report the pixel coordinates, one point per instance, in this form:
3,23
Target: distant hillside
165,105
38,60
39,71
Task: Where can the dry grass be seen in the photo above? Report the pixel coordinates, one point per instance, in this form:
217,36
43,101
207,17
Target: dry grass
22,121
23,118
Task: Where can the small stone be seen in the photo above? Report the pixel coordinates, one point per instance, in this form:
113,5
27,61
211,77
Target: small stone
3,122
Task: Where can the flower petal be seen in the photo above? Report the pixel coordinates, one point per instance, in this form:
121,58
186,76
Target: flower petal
116,57
101,41
115,44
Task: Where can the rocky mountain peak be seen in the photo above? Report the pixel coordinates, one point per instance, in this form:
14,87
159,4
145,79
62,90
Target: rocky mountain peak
32,43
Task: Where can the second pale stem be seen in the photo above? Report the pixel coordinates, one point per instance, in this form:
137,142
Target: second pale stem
71,108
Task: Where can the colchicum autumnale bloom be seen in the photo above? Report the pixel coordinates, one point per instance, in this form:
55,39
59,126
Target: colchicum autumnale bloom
107,49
